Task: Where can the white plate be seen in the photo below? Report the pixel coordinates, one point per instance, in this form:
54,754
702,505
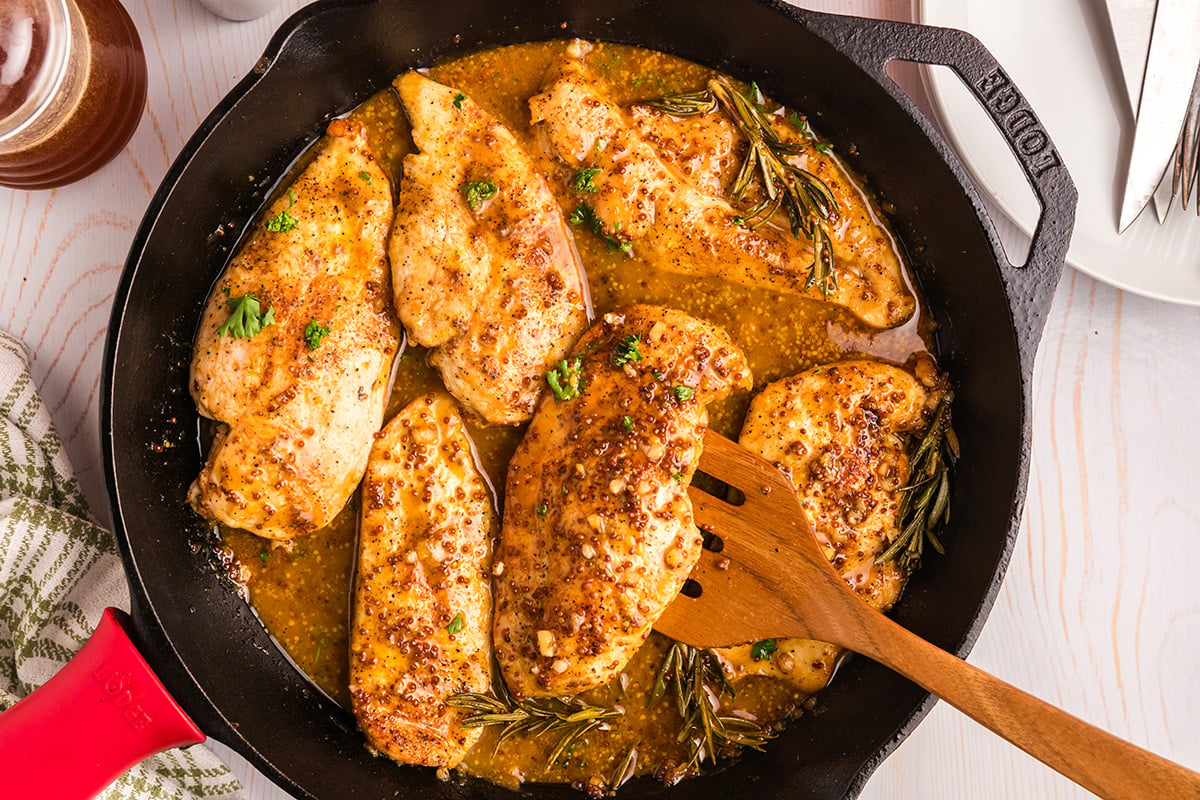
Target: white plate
1060,54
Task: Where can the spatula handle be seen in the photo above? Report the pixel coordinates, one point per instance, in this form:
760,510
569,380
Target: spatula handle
1100,762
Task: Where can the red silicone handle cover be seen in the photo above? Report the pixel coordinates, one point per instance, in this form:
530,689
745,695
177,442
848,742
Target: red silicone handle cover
102,713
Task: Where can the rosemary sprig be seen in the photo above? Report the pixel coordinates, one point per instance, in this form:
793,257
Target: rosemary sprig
624,770
570,716
697,682
925,504
810,207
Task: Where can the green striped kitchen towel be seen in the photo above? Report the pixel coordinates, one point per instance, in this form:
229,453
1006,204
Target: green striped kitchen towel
58,572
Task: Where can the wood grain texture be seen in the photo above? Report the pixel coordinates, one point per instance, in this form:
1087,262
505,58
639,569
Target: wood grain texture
1099,611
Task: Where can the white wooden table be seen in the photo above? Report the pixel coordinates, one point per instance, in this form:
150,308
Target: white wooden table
1099,612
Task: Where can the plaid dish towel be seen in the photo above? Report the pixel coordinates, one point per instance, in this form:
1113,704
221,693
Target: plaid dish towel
58,572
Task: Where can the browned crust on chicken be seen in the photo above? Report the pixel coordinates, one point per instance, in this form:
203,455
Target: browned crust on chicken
422,618
841,433
297,421
496,290
598,534
645,199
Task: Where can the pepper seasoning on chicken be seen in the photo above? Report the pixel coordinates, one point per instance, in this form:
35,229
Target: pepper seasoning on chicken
484,269
422,612
598,535
840,433
295,349
643,201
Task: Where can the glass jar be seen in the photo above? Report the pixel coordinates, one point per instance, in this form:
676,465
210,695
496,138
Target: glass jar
72,89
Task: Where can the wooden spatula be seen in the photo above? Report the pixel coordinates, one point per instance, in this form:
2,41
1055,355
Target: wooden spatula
771,580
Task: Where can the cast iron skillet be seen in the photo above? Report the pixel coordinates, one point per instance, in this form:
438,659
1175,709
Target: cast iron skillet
205,642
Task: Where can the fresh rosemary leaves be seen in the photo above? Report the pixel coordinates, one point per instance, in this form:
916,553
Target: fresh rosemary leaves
697,682
537,716
810,207
925,503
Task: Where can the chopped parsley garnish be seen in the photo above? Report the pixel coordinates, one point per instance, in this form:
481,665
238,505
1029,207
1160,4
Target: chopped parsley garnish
823,147
542,508
456,624
738,220
764,649
478,191
683,393
627,423
246,317
582,182
585,215
458,98
264,554
314,332
566,379
627,350
799,121
366,176
283,221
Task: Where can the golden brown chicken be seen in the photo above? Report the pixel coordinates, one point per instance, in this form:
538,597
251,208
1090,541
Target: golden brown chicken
643,201
709,150
485,271
295,348
598,534
840,432
422,616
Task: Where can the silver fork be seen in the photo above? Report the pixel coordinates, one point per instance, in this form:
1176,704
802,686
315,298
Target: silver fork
1186,157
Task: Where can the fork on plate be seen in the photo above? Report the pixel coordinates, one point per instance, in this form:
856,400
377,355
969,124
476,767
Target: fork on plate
1187,159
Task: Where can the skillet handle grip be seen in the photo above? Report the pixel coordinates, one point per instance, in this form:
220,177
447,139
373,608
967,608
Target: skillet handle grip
873,43
102,713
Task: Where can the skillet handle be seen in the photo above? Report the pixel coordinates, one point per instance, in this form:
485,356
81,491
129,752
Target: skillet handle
872,43
102,713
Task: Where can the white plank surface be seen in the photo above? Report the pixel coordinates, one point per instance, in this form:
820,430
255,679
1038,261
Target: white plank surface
1098,613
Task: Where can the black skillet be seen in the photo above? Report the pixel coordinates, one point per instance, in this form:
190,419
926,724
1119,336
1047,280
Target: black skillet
205,642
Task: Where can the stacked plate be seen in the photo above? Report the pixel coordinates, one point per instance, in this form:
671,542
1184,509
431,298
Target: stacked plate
1062,56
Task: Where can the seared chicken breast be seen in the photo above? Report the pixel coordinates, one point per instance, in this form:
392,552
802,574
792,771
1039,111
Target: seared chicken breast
295,348
644,200
598,534
840,432
709,150
484,269
422,616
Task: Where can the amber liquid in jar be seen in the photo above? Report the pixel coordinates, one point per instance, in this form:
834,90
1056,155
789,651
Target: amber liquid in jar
72,89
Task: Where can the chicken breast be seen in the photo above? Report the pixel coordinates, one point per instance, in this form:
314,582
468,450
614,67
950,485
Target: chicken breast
643,201
709,150
422,617
840,432
598,534
484,269
295,348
